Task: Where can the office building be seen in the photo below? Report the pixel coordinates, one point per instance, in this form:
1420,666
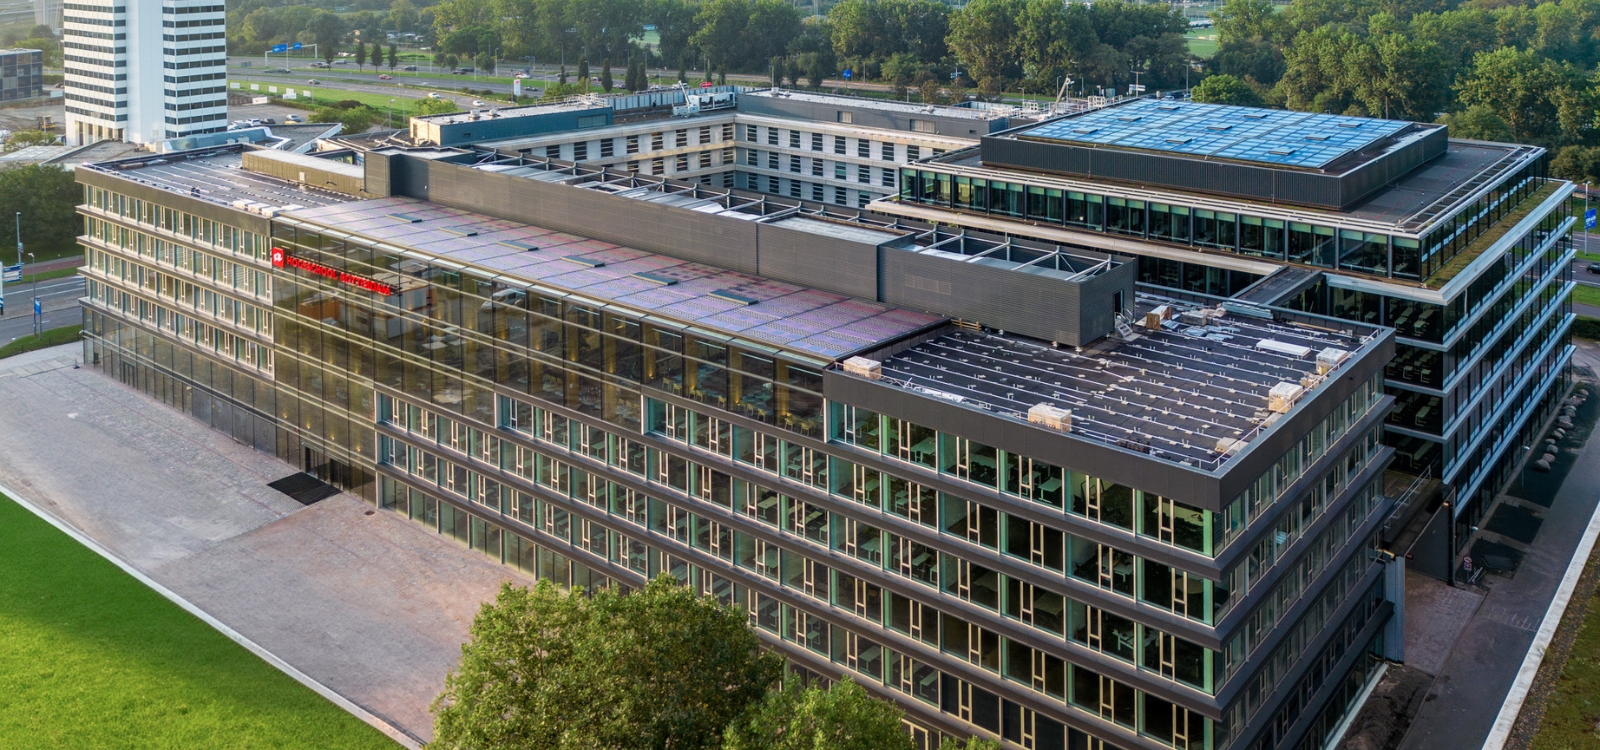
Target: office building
21,74
1463,247
993,479
144,72
827,149
47,13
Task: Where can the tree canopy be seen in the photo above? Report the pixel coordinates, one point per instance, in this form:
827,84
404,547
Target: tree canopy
660,667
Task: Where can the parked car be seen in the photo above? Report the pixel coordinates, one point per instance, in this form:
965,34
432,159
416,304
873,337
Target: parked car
385,77
409,67
1594,268
478,103
292,120
268,121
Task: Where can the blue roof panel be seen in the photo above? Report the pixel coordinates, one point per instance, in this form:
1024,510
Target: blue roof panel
1267,136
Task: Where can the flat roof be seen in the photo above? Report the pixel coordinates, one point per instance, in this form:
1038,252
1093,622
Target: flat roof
217,175
1410,204
785,316
1264,136
881,104
502,113
1178,392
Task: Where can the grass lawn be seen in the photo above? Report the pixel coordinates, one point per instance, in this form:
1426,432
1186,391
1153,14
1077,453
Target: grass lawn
1572,710
1586,295
52,337
59,273
91,658
1202,42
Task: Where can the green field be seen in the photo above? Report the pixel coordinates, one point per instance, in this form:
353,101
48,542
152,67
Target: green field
1569,716
1586,295
52,337
1202,42
91,658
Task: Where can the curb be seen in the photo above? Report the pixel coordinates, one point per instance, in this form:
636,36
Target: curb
1507,718
404,738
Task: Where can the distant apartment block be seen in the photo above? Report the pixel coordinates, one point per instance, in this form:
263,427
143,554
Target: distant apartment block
21,74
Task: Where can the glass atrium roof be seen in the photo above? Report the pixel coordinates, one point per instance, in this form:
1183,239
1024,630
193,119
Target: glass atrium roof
1268,136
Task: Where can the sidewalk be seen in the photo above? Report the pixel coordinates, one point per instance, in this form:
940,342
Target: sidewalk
1478,672
364,602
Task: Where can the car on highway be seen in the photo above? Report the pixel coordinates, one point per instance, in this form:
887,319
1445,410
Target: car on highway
520,74
1594,268
341,62
478,103
409,67
385,77
434,95
314,82
319,65
280,70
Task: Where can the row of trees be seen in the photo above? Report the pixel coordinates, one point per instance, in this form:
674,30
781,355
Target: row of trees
658,668
1000,44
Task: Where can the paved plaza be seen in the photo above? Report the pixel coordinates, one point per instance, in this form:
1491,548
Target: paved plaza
374,606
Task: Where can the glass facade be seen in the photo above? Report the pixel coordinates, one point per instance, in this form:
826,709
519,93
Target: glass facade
985,591
1329,246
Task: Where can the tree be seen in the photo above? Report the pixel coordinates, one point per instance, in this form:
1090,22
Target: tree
583,73
25,138
800,718
661,667
328,30
403,15
48,199
1524,89
1225,89
605,75
929,90
674,22
777,72
1579,164
683,71
361,55
394,57
1477,123
451,61
484,62
355,119
982,38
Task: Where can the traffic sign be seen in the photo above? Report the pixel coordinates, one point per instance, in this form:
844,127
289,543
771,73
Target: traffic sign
1136,88
280,48
1466,563
35,305
847,74
1588,219
11,274
296,47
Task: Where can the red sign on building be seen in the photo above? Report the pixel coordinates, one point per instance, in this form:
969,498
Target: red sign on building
281,258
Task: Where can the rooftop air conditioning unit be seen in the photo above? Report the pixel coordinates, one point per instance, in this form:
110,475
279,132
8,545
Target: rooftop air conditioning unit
1329,359
1229,446
870,369
1283,395
1053,417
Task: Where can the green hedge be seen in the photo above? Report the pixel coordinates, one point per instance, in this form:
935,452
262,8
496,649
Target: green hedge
1588,328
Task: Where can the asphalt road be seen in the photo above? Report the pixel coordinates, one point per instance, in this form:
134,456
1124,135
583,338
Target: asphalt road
58,297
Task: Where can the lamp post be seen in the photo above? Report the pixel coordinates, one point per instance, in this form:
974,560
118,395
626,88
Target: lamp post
389,123
35,299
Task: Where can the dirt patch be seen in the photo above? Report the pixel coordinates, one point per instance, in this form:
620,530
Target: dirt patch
1387,714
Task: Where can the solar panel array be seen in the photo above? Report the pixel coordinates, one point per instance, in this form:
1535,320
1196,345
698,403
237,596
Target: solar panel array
1173,393
1268,136
220,178
782,315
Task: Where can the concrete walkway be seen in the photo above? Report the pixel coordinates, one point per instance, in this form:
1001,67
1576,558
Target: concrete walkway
1479,671
374,607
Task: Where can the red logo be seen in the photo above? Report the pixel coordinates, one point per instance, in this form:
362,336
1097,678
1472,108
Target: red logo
280,259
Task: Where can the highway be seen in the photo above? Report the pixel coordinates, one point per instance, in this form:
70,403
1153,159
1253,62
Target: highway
58,297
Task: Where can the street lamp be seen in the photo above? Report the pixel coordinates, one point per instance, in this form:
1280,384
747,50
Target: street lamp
35,298
389,123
